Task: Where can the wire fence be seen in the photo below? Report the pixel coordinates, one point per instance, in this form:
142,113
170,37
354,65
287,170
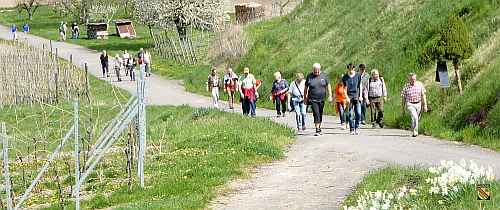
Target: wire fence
29,74
38,122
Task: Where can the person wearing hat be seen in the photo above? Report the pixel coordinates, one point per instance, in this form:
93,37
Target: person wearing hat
247,90
213,85
230,84
364,80
118,63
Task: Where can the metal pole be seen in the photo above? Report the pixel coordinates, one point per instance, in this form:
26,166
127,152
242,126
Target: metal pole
117,134
77,156
142,138
44,168
6,164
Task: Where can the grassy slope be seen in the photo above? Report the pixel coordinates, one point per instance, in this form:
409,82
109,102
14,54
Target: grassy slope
394,37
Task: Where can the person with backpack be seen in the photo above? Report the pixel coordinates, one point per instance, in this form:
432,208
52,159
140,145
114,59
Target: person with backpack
375,94
353,94
295,94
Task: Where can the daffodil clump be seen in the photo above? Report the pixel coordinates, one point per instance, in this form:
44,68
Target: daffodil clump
450,179
452,176
382,200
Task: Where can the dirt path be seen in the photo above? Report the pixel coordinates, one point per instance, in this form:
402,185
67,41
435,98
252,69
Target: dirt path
318,172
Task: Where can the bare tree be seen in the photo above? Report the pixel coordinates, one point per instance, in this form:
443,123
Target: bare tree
30,6
282,4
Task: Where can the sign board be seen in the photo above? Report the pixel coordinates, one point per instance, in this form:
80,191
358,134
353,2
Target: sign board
442,74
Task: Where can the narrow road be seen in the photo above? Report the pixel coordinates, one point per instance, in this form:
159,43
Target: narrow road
318,172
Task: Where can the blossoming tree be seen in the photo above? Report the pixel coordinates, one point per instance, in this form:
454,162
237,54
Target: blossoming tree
182,13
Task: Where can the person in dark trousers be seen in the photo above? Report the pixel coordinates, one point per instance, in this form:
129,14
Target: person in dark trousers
280,92
104,64
314,93
364,80
353,82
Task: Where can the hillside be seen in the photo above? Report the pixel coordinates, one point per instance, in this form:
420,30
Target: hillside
394,37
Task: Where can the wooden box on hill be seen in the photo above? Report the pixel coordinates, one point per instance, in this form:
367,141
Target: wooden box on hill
124,28
247,12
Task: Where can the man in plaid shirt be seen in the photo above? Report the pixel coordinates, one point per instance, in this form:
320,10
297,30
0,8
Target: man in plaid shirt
375,94
412,95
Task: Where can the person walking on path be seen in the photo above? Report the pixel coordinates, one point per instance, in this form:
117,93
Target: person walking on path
412,95
73,35
213,85
297,98
26,29
148,60
314,93
353,82
279,91
104,64
230,83
341,101
364,79
247,90
14,32
61,32
375,94
127,61
118,63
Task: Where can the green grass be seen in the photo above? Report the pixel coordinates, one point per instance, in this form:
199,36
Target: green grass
193,152
393,178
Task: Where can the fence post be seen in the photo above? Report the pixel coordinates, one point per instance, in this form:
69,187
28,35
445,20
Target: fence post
77,155
142,130
3,131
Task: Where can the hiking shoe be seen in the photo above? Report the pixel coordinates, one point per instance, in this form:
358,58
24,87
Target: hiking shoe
381,125
304,127
363,122
414,135
356,131
374,126
278,116
352,132
231,107
343,127
283,115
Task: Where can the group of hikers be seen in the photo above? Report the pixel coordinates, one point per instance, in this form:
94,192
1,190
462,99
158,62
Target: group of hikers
63,31
354,93
26,29
126,62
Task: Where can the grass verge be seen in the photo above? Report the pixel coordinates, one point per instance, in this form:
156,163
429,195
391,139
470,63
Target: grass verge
449,186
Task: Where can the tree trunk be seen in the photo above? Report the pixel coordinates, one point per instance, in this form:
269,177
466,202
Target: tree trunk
456,64
30,13
150,27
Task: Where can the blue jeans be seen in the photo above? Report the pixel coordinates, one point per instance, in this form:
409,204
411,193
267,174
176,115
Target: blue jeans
300,113
248,107
355,125
341,112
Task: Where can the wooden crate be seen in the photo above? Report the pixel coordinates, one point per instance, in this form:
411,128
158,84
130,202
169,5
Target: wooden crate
247,12
97,30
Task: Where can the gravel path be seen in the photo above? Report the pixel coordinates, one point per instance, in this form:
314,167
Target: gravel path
318,172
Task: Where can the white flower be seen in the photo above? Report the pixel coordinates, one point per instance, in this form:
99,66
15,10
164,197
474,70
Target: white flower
434,170
378,194
413,192
386,206
390,196
455,188
434,190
